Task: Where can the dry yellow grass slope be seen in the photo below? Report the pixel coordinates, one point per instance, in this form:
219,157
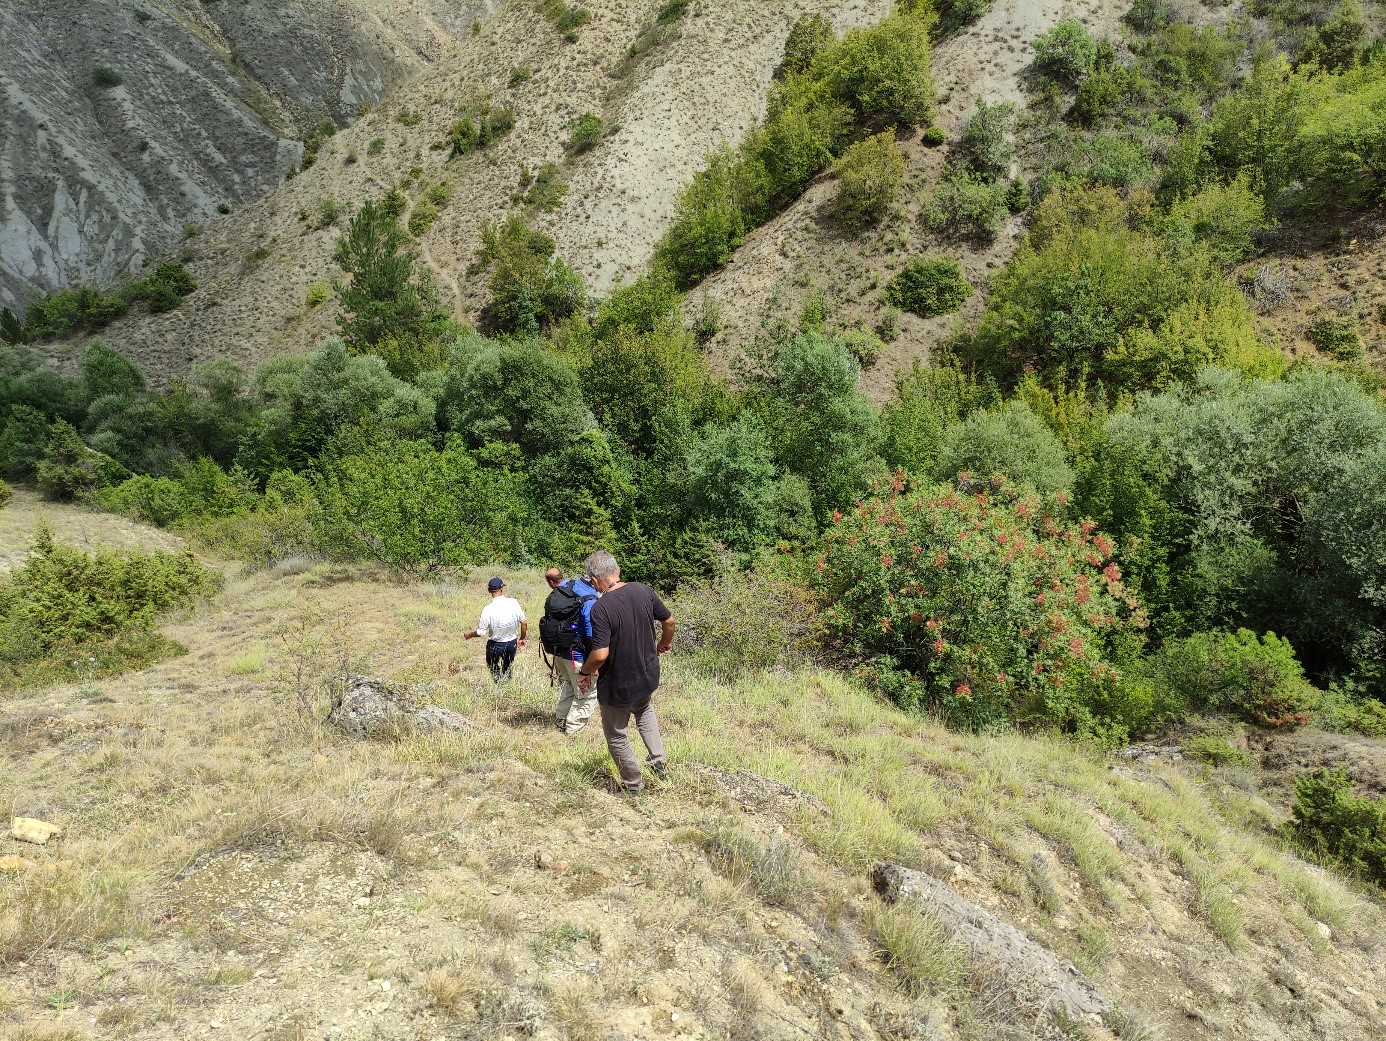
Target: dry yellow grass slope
231,868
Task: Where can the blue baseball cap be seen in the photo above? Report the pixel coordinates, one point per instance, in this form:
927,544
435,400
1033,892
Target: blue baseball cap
495,583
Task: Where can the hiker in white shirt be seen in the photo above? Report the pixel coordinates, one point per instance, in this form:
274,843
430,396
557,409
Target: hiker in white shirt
504,626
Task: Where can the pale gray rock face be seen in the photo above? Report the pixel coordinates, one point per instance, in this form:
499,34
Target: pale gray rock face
212,99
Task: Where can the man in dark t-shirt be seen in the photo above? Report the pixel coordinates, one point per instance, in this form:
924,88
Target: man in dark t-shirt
625,659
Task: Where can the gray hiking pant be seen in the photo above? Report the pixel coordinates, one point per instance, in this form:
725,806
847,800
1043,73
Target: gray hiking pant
615,720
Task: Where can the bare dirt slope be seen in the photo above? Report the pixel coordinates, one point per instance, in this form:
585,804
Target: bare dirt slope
95,178
806,250
706,83
231,869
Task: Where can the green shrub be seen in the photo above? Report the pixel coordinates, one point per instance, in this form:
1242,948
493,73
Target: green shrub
6,494
70,470
1339,711
409,506
376,147
811,35
1257,679
567,19
933,136
197,490
967,205
408,117
1066,51
1224,219
23,441
929,286
708,223
977,600
1339,826
66,613
313,143
329,211
1087,296
390,307
883,72
104,76
421,217
1011,443
546,190
985,143
318,294
956,15
587,133
1216,751
926,402
72,310
480,124
531,288
870,175
743,621
730,482
1335,337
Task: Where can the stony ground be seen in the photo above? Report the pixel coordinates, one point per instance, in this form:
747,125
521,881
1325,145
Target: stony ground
233,868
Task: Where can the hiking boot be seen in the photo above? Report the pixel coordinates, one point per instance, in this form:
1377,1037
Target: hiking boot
660,770
632,790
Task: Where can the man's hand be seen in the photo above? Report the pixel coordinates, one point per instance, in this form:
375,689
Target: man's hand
584,682
471,635
522,644
665,646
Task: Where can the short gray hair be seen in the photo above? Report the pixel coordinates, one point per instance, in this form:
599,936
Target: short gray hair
602,564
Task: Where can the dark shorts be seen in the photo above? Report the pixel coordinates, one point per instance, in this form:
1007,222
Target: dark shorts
500,657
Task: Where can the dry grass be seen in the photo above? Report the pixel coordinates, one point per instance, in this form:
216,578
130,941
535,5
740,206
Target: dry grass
196,766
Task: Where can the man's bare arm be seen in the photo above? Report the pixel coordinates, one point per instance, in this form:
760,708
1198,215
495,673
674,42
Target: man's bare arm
595,660
666,634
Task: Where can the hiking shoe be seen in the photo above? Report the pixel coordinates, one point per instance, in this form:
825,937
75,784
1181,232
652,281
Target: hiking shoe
660,770
632,790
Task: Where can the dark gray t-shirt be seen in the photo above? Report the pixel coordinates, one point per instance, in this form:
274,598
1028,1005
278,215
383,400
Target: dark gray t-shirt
623,620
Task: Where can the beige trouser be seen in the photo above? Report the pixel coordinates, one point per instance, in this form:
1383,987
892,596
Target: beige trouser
615,720
574,707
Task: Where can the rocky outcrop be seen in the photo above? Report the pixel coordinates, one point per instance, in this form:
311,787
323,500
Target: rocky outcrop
1038,978
203,113
371,708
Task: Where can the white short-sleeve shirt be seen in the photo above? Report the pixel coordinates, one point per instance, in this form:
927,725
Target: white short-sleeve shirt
501,619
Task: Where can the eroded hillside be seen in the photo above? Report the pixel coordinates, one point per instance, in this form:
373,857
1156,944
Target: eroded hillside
126,120
703,84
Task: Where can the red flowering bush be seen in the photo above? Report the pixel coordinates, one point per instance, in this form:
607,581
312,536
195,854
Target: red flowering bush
980,600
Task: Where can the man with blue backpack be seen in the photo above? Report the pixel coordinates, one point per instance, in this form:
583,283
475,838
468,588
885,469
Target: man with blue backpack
565,633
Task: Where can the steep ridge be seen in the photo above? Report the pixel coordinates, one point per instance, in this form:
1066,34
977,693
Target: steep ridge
807,250
664,111
198,111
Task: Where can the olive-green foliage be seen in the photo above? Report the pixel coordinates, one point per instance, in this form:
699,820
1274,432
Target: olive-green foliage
730,480
810,36
1010,442
6,494
70,470
105,76
66,612
927,401
821,426
870,175
876,77
23,441
1257,679
195,490
390,308
1340,40
303,402
929,286
566,18
1250,504
1308,137
985,143
84,308
1348,830
587,132
313,142
1224,219
956,15
967,205
407,505
481,123
1087,296
1216,751
742,621
883,72
1336,337
421,217
1067,51
531,288
708,223
544,189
